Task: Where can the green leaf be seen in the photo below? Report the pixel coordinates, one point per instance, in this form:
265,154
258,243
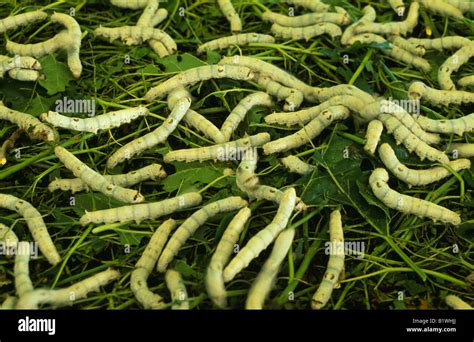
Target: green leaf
175,63
93,201
129,239
40,105
189,177
57,75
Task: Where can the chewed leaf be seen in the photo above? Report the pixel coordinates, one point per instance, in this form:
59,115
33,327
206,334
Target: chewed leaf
57,75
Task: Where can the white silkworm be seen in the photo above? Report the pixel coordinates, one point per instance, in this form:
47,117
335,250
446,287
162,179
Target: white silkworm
28,123
132,4
9,303
228,151
145,265
462,5
419,90
203,125
240,111
96,123
66,296
8,145
8,64
23,283
452,64
312,5
24,75
16,21
179,295
398,6
462,149
8,238
459,126
402,43
442,8
444,43
39,49
457,303
191,224
466,81
159,135
148,13
262,285
418,177
131,35
368,17
335,266
374,131
406,137
306,32
159,16
214,277
296,165
153,172
293,97
198,74
151,17
306,19
396,28
281,76
229,11
94,180
393,51
264,237
140,212
308,132
72,43
35,223
242,39
407,204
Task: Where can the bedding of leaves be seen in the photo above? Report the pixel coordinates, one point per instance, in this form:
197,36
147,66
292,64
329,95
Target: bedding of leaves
408,263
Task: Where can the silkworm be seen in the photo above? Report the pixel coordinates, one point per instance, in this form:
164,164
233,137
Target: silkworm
406,137
23,283
66,296
227,151
179,295
145,265
8,238
325,94
293,97
264,237
196,220
262,285
35,223
94,180
457,303
9,303
459,126
159,135
240,111
229,11
140,212
396,28
442,8
148,13
452,64
198,74
306,19
462,5
39,49
312,5
407,204
306,32
374,131
418,177
214,277
18,62
73,43
24,75
419,90
440,44
131,35
8,145
402,43
393,51
96,123
153,172
462,149
159,16
335,264
132,4
296,165
16,21
242,39
398,6
466,81
28,123
203,125
281,76
369,16
308,132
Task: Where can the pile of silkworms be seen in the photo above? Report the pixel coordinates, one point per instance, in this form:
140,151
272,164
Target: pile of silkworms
312,108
